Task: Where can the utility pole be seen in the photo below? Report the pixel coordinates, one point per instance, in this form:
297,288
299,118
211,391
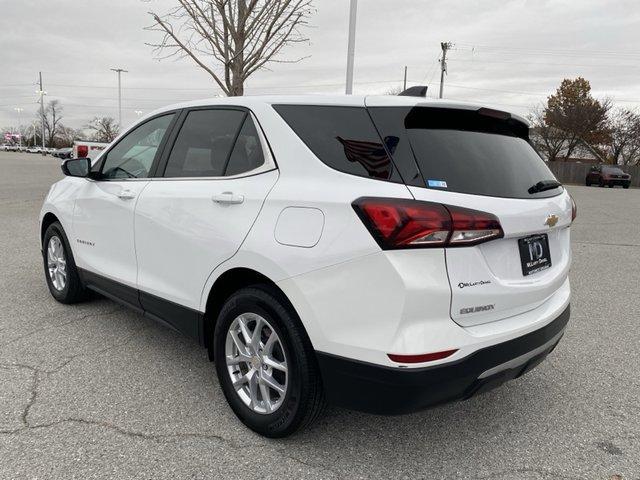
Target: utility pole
353,7
19,110
443,63
42,94
119,72
405,79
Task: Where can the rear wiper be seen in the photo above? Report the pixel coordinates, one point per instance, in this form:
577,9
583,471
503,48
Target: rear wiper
543,186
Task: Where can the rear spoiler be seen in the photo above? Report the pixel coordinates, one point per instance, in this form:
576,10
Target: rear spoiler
417,91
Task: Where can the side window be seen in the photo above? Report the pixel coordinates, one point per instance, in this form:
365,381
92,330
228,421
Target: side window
204,143
133,155
247,153
343,138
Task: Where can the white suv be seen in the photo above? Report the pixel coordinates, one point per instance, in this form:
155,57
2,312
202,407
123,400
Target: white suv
384,254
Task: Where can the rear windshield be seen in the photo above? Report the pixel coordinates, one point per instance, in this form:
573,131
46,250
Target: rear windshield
467,151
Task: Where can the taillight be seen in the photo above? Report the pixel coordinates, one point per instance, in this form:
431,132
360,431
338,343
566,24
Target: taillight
574,209
400,223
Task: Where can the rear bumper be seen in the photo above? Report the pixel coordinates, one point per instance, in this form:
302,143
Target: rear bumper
390,390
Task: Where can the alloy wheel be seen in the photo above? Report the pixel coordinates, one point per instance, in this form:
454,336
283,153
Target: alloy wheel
57,263
256,363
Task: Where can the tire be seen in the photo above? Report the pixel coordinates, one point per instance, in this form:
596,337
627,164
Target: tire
72,290
626,185
303,399
610,185
587,183
601,183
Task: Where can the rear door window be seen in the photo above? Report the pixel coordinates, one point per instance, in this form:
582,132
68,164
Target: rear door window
466,151
343,138
204,143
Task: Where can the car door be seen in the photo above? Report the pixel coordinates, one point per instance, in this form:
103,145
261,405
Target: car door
104,209
195,216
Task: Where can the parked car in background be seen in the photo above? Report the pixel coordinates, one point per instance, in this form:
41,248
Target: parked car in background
609,175
34,150
63,153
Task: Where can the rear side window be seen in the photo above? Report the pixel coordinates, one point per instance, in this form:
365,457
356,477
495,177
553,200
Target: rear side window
466,151
247,152
204,143
343,138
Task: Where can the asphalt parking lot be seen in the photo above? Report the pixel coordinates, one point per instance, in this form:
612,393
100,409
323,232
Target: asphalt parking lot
97,391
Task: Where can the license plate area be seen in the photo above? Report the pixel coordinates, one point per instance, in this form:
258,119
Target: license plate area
534,253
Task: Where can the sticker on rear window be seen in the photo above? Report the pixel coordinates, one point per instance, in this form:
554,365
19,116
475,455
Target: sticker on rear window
437,183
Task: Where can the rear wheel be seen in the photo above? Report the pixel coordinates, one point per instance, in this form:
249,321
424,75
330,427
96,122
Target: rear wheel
266,364
601,183
626,185
59,266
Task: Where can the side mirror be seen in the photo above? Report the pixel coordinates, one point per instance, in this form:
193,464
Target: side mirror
76,167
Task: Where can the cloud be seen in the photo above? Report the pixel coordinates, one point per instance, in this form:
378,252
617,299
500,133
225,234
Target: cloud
510,54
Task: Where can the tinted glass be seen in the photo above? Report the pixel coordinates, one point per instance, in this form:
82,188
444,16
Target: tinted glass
133,155
204,143
467,151
247,152
613,170
342,137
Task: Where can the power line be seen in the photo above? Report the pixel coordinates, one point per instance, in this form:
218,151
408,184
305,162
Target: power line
543,51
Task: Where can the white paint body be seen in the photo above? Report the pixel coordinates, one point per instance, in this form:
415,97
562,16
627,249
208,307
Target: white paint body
297,227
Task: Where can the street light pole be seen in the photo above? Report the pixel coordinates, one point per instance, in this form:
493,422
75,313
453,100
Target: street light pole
119,72
42,94
19,110
353,7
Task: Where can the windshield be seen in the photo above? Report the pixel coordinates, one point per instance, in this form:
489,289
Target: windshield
468,151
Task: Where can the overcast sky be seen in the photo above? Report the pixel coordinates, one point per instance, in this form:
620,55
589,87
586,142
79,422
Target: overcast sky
510,54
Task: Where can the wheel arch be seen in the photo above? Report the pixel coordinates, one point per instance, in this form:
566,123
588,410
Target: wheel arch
47,220
226,285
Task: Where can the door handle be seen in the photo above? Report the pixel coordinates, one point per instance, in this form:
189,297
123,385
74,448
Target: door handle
228,197
126,194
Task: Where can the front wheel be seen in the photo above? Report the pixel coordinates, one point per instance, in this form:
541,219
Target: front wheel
59,266
626,185
266,364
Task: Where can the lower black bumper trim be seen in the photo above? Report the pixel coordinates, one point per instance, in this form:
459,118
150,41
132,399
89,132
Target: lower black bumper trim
387,390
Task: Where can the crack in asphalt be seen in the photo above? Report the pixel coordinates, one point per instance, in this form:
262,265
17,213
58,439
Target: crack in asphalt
607,244
508,473
158,437
52,327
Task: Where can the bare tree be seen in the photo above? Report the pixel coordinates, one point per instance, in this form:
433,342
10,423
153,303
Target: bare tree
104,129
231,39
52,119
66,136
624,145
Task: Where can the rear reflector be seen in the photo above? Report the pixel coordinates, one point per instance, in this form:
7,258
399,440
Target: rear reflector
400,223
425,357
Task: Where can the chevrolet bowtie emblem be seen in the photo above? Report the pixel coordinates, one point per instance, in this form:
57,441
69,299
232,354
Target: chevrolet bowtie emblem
551,220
